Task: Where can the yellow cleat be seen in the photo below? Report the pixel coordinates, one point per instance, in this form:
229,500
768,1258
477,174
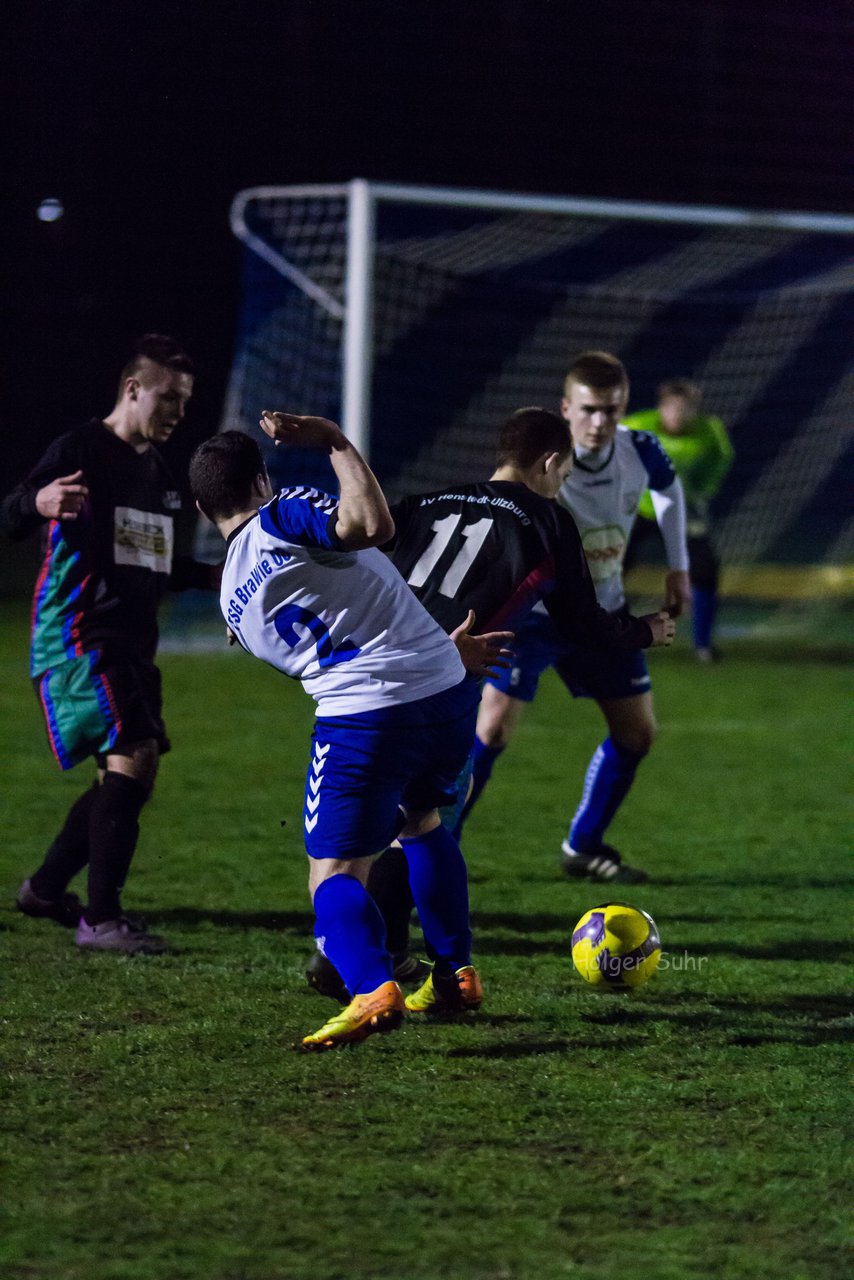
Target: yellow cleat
454,993
380,1010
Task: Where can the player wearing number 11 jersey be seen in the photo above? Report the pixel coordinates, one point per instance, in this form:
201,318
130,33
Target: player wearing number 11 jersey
502,546
499,547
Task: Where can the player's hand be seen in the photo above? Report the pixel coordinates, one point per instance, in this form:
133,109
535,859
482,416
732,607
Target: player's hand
300,430
677,592
63,498
662,626
230,637
482,655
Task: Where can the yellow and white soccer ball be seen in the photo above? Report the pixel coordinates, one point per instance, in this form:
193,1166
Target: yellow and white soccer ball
616,946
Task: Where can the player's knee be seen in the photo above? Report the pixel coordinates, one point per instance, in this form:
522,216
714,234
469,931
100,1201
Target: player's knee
494,734
637,738
420,823
496,722
139,763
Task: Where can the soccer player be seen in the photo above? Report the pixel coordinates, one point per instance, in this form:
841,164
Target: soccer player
305,590
108,501
498,547
698,446
613,466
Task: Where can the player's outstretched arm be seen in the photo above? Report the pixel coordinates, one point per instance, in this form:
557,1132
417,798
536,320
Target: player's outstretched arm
483,655
364,519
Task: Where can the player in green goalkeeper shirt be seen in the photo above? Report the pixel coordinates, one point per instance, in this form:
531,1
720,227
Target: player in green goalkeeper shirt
700,450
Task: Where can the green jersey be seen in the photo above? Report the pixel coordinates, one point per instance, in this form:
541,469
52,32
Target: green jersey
701,455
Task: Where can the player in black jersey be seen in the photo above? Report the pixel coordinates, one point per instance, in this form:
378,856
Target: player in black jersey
107,501
499,548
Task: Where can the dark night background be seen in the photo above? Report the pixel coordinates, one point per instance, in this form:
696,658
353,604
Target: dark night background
145,119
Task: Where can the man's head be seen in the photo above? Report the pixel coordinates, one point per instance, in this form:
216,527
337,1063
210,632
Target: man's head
596,392
228,476
154,387
534,445
678,402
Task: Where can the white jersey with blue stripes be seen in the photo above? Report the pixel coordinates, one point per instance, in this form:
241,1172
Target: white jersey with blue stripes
342,622
602,496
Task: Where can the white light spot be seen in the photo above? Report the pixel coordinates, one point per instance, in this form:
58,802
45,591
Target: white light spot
50,210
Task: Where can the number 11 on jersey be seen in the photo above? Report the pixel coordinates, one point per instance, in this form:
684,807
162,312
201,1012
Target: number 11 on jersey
474,535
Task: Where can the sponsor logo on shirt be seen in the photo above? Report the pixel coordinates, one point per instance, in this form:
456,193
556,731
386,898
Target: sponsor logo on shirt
604,549
144,539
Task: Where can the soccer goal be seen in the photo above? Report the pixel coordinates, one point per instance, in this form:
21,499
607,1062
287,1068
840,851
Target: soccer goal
421,317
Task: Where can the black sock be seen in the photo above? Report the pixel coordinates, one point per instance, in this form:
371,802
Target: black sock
388,885
113,831
69,852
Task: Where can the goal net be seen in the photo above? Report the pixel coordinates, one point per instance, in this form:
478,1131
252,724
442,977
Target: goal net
421,318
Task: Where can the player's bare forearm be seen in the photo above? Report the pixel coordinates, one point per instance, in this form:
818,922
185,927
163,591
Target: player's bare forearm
677,592
364,519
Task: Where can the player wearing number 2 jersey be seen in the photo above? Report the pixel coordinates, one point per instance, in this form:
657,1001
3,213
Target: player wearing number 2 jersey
304,589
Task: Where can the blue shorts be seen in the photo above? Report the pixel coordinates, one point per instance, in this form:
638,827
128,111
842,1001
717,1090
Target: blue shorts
587,673
365,769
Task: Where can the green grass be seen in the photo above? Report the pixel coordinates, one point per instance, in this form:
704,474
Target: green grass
159,1125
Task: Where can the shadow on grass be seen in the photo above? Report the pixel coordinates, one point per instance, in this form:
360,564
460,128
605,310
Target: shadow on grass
789,949
788,882
807,1020
538,1048
300,921
494,936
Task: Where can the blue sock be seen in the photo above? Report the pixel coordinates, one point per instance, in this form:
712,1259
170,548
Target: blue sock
350,932
483,759
610,774
703,608
439,883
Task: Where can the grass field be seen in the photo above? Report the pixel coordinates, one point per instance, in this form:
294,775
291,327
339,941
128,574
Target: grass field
159,1125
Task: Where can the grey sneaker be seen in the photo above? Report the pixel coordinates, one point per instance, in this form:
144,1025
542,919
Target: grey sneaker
605,864
119,935
67,909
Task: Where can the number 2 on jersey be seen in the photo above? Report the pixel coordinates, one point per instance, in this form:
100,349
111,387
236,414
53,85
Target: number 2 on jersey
327,653
474,535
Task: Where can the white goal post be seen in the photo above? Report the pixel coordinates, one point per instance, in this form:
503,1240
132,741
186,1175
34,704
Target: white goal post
422,316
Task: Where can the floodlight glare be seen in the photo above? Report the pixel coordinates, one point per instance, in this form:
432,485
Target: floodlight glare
50,210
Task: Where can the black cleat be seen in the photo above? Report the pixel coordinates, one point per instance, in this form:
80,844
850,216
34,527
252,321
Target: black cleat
604,865
409,970
321,974
65,910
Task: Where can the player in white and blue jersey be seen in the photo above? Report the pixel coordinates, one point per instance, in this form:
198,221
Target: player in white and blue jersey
613,468
305,590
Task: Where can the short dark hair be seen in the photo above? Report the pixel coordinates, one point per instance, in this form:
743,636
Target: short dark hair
681,387
597,369
160,349
223,471
528,434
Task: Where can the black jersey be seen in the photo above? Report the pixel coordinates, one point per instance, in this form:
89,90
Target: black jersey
104,572
499,548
